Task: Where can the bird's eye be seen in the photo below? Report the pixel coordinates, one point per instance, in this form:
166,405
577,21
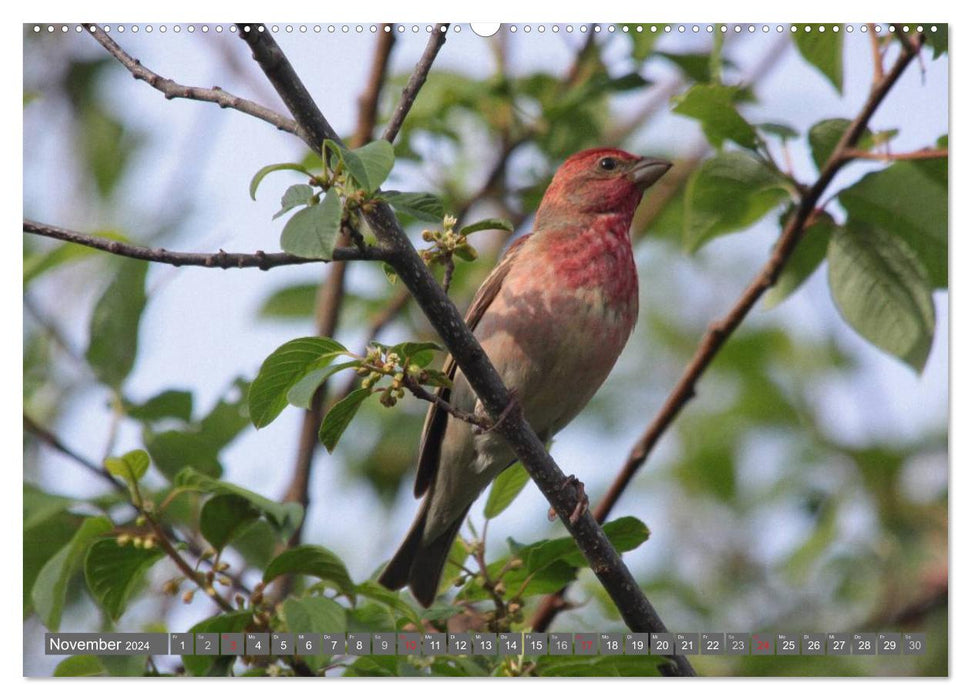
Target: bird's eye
608,163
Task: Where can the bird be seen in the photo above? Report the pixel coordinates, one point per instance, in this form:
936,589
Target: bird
553,317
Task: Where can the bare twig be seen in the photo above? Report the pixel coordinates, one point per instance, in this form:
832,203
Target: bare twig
435,42
51,440
173,90
922,154
636,610
221,259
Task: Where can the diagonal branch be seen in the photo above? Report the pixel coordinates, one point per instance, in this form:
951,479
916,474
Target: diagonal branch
222,259
435,42
637,611
173,90
719,331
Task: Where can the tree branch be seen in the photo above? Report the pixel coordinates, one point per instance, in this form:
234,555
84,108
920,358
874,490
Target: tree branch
719,331
173,90
221,259
604,560
922,154
435,42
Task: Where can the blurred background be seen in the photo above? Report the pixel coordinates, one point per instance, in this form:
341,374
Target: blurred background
804,489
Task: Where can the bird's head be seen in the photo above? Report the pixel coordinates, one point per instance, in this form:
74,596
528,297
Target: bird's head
601,181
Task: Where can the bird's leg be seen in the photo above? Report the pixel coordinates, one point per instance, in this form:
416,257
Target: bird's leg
480,412
583,502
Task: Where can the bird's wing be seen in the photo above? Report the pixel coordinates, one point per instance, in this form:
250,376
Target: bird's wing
436,419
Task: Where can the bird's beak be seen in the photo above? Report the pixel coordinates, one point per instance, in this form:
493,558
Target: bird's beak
647,171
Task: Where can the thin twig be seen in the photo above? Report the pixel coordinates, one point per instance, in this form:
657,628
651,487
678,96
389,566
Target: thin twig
417,79
221,259
51,440
922,154
173,90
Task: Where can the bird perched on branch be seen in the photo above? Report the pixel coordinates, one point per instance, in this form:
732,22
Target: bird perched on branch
553,317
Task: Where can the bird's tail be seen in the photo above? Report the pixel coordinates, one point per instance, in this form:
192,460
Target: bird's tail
419,565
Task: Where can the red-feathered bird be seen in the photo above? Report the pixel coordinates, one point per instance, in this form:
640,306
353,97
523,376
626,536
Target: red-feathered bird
553,317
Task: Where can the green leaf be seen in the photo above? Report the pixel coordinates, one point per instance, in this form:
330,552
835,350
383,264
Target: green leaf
488,225
283,516
339,417
296,301
910,200
41,541
937,40
167,404
782,131
883,291
50,588
824,135
824,50
696,66
551,564
370,164
79,666
267,169
223,516
113,332
295,196
112,572
284,367
420,205
505,488
317,615
199,445
131,466
729,192
206,665
598,666
389,272
312,560
714,107
642,42
302,393
805,260
409,349
390,599
39,505
312,232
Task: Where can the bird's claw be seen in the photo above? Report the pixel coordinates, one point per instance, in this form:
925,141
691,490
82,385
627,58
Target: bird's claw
512,405
583,502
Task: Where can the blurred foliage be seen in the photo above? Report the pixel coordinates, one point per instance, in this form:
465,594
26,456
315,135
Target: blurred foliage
778,521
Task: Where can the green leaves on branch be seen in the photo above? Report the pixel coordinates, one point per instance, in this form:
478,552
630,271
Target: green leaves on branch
420,205
883,291
283,369
823,50
504,489
714,108
295,371
284,517
113,332
729,192
548,565
312,232
312,560
909,200
368,165
113,572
